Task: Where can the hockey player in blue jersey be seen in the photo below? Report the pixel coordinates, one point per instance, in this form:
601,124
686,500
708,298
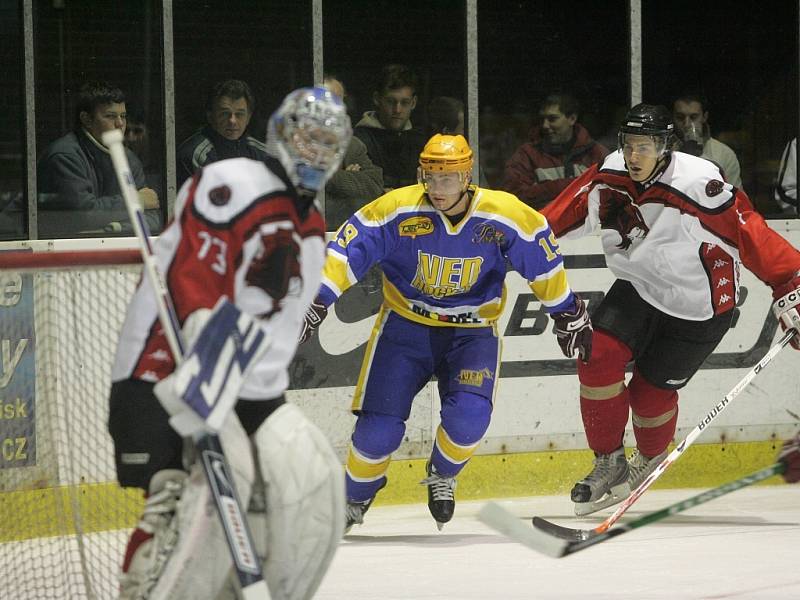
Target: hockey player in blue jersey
443,246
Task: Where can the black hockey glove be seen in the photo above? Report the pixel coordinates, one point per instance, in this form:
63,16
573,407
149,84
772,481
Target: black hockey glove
574,331
314,316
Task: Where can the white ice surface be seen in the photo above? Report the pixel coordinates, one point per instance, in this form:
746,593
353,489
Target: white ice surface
744,545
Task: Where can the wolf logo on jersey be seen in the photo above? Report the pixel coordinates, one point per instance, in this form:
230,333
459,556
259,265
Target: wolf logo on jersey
618,212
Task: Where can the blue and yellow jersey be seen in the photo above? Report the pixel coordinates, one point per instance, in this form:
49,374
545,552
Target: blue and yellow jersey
437,273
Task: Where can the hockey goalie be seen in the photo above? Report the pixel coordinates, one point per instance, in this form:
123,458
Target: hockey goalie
250,232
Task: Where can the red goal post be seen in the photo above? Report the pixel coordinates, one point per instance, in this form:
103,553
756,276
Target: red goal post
64,521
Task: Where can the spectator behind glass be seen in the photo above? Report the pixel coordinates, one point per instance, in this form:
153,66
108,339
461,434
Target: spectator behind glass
137,138
558,150
229,107
78,190
391,142
357,182
446,116
690,113
786,185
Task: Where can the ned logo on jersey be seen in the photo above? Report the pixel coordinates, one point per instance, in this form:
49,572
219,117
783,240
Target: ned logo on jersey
441,276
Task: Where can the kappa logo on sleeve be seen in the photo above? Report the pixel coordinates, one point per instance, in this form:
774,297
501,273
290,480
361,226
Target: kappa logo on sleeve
415,226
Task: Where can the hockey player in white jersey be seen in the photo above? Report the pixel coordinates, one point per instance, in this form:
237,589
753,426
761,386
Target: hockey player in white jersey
674,234
251,231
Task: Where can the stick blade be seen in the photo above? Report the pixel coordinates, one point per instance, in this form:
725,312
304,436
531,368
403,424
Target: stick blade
499,519
564,533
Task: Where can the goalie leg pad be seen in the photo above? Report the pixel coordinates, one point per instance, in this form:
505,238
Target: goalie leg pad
154,538
201,562
305,503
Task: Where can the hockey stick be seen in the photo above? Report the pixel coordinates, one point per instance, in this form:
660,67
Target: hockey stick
503,521
570,533
212,458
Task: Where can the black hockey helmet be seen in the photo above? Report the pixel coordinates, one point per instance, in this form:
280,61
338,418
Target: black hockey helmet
654,120
648,119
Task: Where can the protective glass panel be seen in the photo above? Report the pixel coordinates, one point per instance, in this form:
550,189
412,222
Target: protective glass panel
94,72
734,79
265,47
426,97
13,204
537,60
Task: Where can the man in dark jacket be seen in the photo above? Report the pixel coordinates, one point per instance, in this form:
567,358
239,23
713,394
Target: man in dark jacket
358,180
392,143
78,193
559,149
229,108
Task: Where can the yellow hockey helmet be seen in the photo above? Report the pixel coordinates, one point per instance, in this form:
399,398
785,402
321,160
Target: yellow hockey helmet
446,154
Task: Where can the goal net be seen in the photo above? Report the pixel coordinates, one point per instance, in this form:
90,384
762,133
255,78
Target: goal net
63,520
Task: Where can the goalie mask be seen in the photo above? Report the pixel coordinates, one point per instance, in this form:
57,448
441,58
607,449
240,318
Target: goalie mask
310,133
445,165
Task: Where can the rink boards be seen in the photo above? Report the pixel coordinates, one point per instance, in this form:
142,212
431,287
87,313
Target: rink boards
535,443
536,409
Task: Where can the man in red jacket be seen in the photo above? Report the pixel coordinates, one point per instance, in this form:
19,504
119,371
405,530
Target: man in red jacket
559,149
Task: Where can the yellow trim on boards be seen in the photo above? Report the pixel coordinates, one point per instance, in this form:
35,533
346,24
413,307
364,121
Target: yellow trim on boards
554,473
50,512
47,512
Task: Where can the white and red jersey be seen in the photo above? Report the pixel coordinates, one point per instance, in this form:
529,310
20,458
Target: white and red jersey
680,239
239,230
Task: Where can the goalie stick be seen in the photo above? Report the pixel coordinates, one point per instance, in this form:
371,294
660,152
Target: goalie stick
212,458
503,521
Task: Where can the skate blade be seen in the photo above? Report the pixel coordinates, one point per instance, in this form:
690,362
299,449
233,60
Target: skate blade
616,495
347,528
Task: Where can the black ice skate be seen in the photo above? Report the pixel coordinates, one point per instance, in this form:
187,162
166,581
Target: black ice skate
354,513
441,498
607,484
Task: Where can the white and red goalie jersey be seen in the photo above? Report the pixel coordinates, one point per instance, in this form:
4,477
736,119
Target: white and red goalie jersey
239,230
679,240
